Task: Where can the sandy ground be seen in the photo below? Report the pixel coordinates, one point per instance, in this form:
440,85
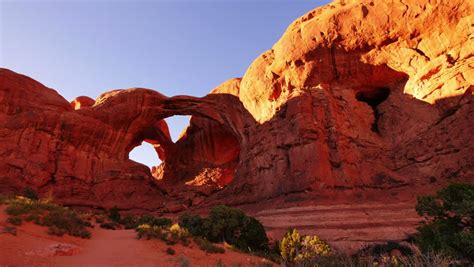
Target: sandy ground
33,247
347,226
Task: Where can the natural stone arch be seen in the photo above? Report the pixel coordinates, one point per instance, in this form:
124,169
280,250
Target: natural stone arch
139,116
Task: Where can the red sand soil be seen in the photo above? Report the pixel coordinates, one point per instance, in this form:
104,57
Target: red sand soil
33,247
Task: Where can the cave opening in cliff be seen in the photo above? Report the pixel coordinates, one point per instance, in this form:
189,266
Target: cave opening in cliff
374,98
145,153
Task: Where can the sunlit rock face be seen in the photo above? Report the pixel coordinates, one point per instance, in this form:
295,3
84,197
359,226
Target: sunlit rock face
79,152
361,94
82,102
370,95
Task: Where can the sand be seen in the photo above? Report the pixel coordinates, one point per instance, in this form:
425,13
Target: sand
32,246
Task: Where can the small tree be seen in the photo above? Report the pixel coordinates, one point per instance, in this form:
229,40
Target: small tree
193,223
449,224
233,226
230,225
114,214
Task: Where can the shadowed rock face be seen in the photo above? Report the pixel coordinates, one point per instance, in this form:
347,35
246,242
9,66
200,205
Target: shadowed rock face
371,95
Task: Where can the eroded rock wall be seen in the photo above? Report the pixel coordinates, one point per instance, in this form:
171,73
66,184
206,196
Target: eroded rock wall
371,95
321,125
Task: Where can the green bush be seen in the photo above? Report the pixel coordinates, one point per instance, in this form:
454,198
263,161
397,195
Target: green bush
170,251
114,214
150,232
34,217
297,249
230,225
449,222
177,233
53,230
9,230
22,205
68,221
194,224
207,246
129,222
387,248
59,219
99,219
109,225
132,222
154,221
14,220
170,235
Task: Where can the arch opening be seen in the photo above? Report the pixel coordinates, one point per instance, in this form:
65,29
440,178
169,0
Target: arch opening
145,153
177,126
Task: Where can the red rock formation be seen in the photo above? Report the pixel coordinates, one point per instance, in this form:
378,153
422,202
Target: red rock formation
371,94
366,95
82,102
81,156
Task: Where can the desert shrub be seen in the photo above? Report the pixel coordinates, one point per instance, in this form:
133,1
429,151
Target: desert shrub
30,193
109,225
170,251
57,218
230,225
428,259
34,217
154,221
170,235
9,230
15,220
343,260
129,222
385,249
269,255
19,206
22,205
66,220
99,219
299,249
207,246
53,230
178,233
150,232
114,214
449,222
194,224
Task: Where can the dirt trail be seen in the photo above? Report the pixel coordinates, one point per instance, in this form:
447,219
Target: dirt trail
114,248
33,247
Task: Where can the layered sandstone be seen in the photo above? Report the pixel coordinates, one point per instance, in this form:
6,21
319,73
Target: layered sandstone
356,95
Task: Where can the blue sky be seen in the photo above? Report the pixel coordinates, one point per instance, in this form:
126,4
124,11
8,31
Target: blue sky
174,47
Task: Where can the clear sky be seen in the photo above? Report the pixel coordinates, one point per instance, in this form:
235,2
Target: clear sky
175,47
